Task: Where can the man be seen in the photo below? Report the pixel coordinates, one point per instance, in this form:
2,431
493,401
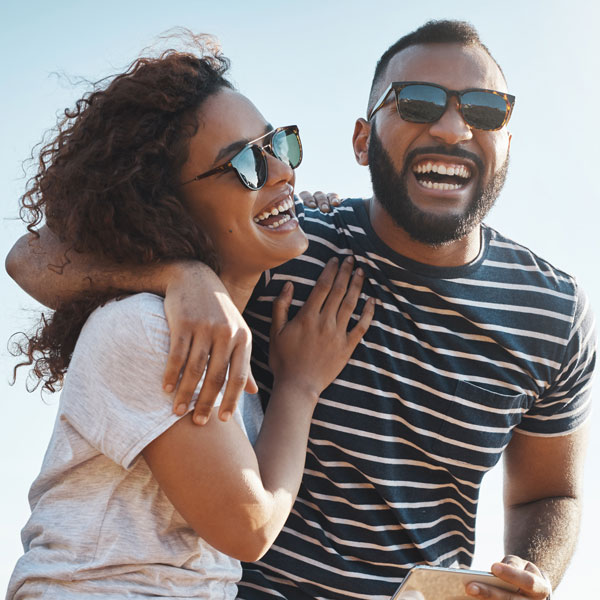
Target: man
478,348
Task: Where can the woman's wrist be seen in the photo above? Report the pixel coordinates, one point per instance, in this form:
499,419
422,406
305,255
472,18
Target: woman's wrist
302,389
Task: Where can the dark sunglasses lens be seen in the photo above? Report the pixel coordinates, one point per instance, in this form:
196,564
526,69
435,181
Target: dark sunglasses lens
484,110
286,147
421,103
251,166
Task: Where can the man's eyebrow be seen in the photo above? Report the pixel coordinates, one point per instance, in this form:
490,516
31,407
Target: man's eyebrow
238,145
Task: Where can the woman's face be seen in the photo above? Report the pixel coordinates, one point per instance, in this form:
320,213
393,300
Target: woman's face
227,210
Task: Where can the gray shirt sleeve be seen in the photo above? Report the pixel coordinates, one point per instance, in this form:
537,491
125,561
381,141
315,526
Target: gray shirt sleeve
118,369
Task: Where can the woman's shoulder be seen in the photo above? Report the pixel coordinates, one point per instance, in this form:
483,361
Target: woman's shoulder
130,321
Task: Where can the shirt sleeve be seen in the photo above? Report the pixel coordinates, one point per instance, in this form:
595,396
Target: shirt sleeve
566,404
113,393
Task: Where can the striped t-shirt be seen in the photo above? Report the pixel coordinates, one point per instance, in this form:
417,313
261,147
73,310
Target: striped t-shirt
454,360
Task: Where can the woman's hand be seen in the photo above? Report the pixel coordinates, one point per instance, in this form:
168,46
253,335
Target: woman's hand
325,202
310,350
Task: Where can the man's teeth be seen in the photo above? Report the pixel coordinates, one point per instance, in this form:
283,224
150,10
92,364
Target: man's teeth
441,169
440,186
285,205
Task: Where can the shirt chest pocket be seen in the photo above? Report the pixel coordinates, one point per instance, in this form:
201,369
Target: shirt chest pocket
478,425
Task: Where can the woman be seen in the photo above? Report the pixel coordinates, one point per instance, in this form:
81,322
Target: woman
167,162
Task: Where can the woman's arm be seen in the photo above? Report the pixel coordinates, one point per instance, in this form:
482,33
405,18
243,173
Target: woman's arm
206,327
237,498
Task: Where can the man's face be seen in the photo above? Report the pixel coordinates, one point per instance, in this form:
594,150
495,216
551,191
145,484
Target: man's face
431,207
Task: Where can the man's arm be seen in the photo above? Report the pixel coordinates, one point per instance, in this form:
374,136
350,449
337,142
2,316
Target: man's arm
542,498
206,327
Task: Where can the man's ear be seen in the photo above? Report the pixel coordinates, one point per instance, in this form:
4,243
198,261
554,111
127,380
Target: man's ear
360,141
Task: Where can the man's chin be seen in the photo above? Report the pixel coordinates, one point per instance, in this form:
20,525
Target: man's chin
427,228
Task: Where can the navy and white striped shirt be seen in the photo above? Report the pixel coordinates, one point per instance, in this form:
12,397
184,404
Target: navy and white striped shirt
454,360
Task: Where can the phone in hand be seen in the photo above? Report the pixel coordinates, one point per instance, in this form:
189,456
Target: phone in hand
439,583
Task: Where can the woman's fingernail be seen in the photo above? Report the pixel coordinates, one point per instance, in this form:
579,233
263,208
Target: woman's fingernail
200,420
226,416
169,388
180,410
360,271
474,589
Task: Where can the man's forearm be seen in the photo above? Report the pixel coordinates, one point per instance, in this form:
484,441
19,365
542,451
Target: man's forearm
545,533
52,272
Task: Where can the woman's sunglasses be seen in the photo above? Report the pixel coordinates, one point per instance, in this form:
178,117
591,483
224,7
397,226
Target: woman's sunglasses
250,163
420,102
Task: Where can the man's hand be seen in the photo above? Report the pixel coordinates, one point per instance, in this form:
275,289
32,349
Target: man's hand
320,199
521,573
207,331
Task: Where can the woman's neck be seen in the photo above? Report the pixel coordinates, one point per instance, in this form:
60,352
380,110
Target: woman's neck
240,288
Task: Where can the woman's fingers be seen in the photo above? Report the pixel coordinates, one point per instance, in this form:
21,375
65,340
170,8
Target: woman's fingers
351,297
358,331
308,199
281,307
319,293
324,201
338,290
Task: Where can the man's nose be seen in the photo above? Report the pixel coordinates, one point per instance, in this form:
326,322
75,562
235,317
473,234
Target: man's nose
451,128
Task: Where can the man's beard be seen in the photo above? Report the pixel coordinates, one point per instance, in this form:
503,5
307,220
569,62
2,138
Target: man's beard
390,189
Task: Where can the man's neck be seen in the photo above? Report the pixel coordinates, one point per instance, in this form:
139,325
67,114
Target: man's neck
453,254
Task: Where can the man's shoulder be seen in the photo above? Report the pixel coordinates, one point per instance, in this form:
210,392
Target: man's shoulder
519,262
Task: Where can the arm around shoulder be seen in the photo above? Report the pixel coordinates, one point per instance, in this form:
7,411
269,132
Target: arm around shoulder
52,272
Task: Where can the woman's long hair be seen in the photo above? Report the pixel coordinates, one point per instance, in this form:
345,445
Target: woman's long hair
108,183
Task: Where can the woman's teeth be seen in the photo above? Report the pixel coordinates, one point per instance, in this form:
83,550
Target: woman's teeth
281,221
273,212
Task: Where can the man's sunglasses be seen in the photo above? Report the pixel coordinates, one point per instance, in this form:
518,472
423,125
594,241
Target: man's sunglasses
420,102
250,163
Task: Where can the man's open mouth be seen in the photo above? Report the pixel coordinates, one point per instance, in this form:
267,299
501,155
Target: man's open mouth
276,214
441,175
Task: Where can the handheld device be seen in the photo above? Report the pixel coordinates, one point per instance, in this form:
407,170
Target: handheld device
438,583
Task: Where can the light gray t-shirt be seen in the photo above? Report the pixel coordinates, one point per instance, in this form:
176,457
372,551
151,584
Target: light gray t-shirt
100,524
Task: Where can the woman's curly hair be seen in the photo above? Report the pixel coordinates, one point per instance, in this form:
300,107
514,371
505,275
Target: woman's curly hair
108,183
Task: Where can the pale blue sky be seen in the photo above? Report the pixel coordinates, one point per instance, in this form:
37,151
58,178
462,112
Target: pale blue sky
311,63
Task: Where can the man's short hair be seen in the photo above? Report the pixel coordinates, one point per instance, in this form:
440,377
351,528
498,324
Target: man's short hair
432,32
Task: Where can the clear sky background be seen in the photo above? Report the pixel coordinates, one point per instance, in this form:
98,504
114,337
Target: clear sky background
310,62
